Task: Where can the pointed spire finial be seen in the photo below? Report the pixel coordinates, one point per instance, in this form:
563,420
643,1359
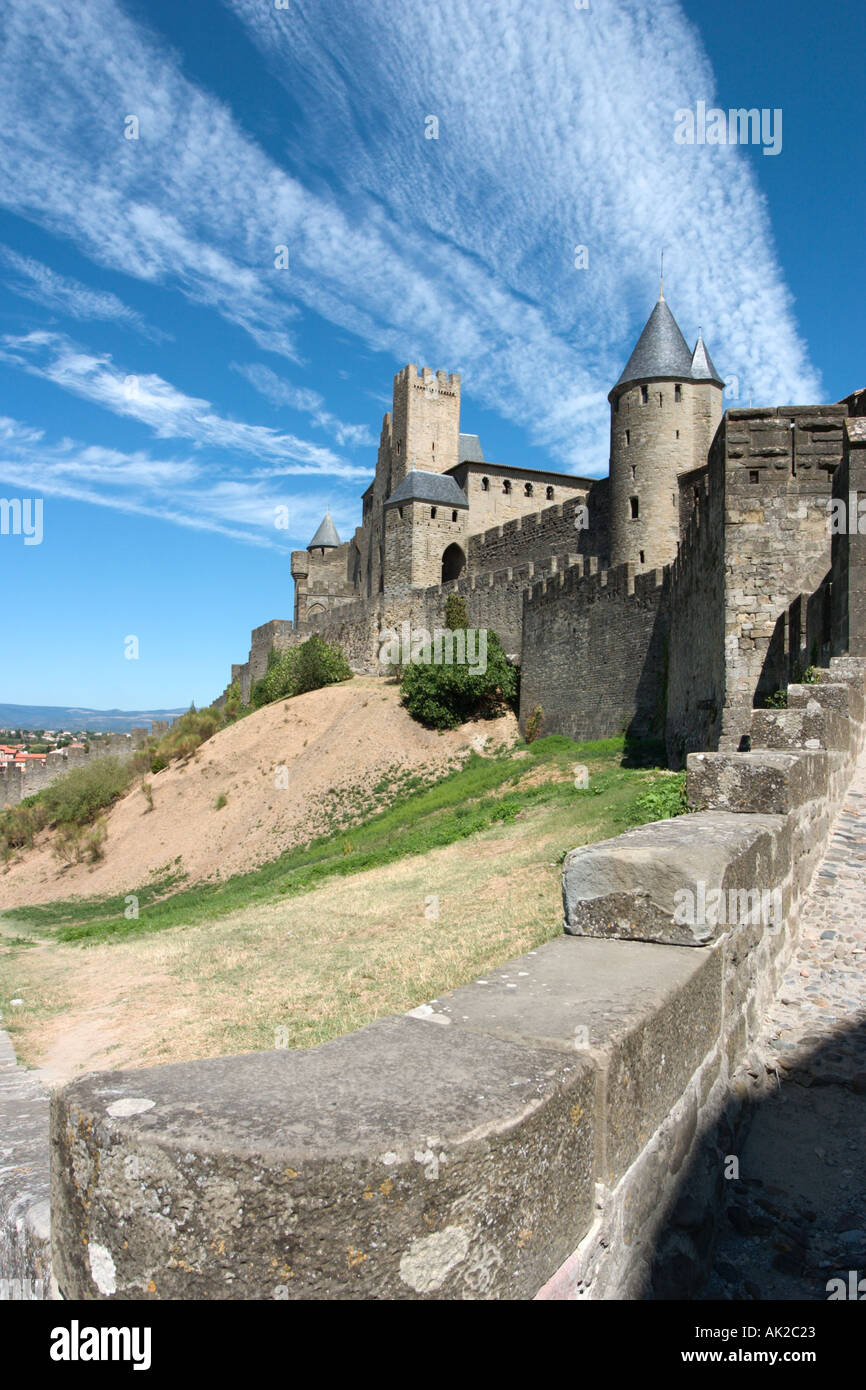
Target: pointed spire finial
662,276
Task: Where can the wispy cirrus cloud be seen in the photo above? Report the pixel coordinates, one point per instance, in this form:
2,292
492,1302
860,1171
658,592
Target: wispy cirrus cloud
181,491
555,129
65,295
281,392
170,413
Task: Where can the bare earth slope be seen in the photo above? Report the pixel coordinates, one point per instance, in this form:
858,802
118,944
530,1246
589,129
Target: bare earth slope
336,745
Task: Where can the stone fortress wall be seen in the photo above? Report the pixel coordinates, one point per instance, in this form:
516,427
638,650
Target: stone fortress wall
594,651
19,782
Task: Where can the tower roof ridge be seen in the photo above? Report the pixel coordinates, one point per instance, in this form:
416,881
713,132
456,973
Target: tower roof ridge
326,534
702,363
660,351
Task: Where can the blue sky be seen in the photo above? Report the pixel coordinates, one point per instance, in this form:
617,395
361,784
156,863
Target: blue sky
166,387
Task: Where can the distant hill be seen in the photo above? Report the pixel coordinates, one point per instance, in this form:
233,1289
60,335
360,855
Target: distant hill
100,721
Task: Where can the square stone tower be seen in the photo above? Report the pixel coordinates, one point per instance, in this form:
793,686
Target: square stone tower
426,422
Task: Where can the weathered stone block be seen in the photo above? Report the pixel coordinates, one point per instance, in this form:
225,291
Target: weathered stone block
758,783
808,727
626,888
403,1161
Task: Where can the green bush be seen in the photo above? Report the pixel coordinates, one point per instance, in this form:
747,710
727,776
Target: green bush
456,616
19,824
295,670
777,700
233,705
319,664
280,680
79,795
186,733
73,844
664,799
444,696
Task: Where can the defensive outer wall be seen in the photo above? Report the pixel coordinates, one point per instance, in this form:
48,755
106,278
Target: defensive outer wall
755,595
18,781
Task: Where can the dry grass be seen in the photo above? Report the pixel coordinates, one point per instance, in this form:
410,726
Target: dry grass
315,966
294,969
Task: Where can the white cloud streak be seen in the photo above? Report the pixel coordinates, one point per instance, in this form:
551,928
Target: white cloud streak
167,411
65,295
281,392
180,491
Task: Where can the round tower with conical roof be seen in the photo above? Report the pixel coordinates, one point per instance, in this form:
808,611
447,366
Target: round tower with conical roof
664,411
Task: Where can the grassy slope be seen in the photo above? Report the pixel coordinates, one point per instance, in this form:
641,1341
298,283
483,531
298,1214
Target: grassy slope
327,937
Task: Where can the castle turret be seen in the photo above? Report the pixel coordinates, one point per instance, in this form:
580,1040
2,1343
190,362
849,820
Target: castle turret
426,521
664,411
326,538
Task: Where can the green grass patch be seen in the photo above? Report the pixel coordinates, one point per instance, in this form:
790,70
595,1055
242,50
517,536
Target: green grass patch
483,793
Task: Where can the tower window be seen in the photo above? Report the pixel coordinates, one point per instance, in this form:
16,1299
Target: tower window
453,516
678,434
754,475
527,489
432,513
506,486
548,492
678,392
633,471
642,557
633,507
628,436
485,484
644,394
660,398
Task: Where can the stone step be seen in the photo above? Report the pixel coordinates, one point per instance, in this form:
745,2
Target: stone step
809,727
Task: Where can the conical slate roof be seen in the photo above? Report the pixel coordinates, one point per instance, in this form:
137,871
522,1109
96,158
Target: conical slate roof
660,351
702,364
326,534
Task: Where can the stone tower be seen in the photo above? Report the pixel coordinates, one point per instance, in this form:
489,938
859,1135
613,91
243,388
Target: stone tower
426,523
664,412
426,422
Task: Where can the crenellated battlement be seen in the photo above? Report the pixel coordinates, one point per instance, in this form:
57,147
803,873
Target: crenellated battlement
584,578
427,378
